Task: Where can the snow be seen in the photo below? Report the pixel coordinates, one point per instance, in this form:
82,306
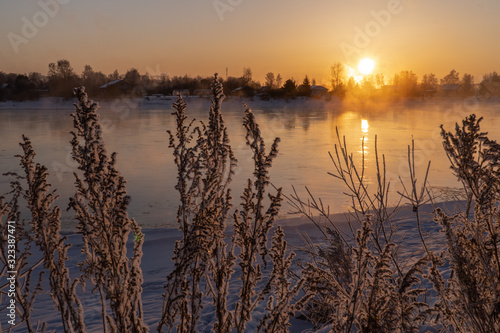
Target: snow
158,249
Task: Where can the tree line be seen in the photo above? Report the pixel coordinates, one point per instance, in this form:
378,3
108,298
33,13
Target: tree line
61,78
406,84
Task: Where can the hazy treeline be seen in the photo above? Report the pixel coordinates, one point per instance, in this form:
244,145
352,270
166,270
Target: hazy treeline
343,82
407,84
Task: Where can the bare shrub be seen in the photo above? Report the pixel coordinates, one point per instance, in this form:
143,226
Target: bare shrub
205,164
469,299
101,203
367,287
363,285
202,258
46,227
15,256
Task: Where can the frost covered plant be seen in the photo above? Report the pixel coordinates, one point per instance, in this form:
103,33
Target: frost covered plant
362,285
205,168
253,222
470,298
16,256
203,261
101,203
46,227
205,165
475,161
279,308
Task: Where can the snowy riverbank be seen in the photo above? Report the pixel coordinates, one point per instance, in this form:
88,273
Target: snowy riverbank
158,249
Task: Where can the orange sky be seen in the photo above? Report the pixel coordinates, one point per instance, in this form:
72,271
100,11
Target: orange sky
290,37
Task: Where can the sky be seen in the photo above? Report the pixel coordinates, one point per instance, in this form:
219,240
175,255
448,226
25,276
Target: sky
290,37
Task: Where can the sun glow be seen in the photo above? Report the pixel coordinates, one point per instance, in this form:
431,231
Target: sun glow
354,74
364,126
364,69
366,66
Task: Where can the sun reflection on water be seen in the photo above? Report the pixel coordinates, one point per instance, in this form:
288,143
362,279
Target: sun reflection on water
364,138
364,126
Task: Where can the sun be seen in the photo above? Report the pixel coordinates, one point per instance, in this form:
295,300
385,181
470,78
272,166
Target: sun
366,66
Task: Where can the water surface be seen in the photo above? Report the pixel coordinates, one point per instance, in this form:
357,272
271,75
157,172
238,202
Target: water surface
137,132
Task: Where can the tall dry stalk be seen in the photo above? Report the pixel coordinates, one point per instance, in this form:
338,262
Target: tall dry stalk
15,256
100,204
46,227
469,300
362,285
253,222
205,164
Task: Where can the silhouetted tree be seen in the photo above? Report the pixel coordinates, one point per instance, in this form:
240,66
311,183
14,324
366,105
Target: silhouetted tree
429,82
114,76
3,77
270,80
368,83
407,81
23,89
290,88
305,87
37,80
492,77
62,79
148,82
87,74
452,78
467,85
92,80
279,81
20,87
233,83
164,85
205,83
351,84
337,75
379,80
247,76
133,77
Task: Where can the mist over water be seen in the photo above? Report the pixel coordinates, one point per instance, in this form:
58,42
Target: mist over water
307,130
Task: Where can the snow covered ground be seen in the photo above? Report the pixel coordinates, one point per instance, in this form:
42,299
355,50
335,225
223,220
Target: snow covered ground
157,264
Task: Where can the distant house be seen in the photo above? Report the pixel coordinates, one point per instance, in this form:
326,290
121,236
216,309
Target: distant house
318,91
244,91
450,89
116,88
180,92
202,92
239,92
489,88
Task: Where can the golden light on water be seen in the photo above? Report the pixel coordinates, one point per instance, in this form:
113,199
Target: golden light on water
364,138
364,126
